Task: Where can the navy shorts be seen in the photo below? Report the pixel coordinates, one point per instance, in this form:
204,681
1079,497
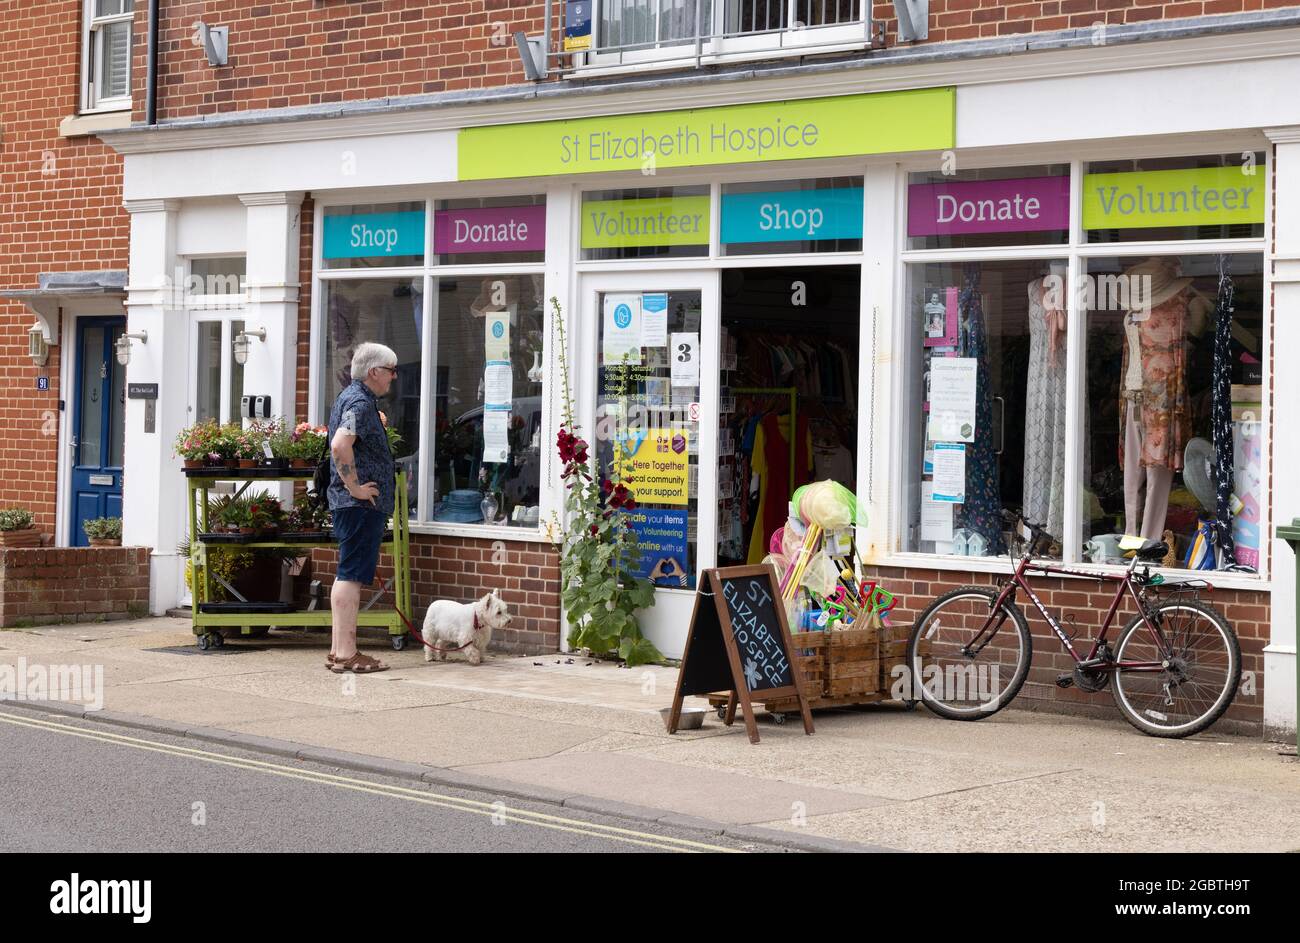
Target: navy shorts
359,532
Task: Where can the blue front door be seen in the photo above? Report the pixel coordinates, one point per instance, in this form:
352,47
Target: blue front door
98,426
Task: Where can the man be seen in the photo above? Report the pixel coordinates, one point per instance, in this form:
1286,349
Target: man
360,497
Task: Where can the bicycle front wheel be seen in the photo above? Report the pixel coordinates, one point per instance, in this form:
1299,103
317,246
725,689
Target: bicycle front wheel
1184,693
965,659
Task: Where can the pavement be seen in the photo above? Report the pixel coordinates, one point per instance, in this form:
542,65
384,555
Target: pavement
587,735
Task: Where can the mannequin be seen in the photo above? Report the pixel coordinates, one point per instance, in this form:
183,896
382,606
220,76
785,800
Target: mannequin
1154,405
1045,427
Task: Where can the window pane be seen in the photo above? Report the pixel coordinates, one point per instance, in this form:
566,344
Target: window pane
750,16
380,235
490,355
1001,206
112,7
116,403
388,311
92,395
776,216
1222,196
490,229
115,59
678,19
656,222
987,404
217,276
626,23
207,399
641,407
1174,388
236,376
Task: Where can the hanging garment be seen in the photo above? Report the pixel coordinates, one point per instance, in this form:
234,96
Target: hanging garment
1044,479
1164,411
982,511
771,462
1221,417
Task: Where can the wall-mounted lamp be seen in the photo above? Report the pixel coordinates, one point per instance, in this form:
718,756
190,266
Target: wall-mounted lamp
124,345
216,42
242,343
37,349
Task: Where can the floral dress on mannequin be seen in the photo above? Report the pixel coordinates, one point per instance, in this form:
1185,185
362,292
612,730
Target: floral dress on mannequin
1044,480
982,511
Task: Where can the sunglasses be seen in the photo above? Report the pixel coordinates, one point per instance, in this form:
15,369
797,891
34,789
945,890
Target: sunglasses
392,370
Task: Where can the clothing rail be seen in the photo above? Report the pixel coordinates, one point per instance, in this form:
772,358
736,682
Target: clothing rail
793,393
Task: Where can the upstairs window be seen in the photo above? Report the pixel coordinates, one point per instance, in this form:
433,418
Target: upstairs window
106,41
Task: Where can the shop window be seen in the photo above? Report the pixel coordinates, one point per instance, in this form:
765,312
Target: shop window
484,230
789,216
657,222
985,404
1004,206
1176,441
387,311
1222,196
488,404
381,235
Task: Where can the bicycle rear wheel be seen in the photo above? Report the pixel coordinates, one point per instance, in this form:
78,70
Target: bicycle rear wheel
956,680
1193,689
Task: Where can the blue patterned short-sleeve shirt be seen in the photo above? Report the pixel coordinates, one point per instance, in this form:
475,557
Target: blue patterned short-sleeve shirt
357,410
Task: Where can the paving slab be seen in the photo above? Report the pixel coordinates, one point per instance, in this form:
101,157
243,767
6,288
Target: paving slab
711,794
190,703
450,736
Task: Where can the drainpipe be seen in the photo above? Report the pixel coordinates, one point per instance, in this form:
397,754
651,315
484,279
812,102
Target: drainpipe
151,69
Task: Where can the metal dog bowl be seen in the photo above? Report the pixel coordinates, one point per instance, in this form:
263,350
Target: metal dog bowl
692,718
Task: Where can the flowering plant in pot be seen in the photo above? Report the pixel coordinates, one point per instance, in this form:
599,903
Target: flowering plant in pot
308,444
199,446
246,446
104,531
265,514
18,529
394,437
598,546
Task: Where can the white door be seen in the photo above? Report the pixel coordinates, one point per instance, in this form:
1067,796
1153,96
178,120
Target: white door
667,322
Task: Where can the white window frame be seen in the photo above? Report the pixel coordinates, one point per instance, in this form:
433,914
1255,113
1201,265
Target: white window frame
1078,251
716,48
92,33
318,408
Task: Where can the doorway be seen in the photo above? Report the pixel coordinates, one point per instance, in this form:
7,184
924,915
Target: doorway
649,364
98,423
788,382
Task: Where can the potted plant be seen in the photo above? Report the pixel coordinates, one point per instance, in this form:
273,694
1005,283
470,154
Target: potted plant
17,529
246,446
235,517
308,445
598,546
264,514
273,433
303,517
198,446
394,437
104,531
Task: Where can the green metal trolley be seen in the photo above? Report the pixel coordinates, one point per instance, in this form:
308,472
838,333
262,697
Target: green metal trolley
206,624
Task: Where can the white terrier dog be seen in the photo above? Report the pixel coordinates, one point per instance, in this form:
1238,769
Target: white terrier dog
464,626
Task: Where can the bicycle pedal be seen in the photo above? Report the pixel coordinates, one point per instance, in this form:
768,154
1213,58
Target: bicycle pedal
1065,680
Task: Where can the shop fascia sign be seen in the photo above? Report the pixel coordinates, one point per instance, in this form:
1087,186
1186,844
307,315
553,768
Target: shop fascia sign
654,221
490,229
374,235
840,126
1201,196
792,215
1027,204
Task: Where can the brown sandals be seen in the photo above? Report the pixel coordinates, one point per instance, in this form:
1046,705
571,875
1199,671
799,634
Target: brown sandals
357,664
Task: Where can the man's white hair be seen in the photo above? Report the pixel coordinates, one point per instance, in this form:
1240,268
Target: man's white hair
371,355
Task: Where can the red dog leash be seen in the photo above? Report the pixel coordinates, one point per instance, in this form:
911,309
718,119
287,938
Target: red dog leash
420,638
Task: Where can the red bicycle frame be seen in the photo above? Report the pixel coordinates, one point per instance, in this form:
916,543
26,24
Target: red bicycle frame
1125,581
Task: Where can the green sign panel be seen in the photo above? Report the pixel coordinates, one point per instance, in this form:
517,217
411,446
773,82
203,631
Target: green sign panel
658,221
1203,196
842,126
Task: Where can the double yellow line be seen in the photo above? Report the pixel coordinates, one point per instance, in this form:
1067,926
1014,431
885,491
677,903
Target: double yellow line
498,812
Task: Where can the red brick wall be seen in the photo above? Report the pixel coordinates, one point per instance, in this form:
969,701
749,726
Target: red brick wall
1088,602
60,210
527,576
306,52
81,584
976,19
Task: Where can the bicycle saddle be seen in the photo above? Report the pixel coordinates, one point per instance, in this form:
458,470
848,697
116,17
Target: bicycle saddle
1152,550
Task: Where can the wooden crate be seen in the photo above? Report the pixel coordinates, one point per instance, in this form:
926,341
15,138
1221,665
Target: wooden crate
893,653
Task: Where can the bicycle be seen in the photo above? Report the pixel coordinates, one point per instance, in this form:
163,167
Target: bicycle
1173,671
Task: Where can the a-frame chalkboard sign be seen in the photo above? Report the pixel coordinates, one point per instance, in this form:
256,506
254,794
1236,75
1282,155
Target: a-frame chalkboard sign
739,641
